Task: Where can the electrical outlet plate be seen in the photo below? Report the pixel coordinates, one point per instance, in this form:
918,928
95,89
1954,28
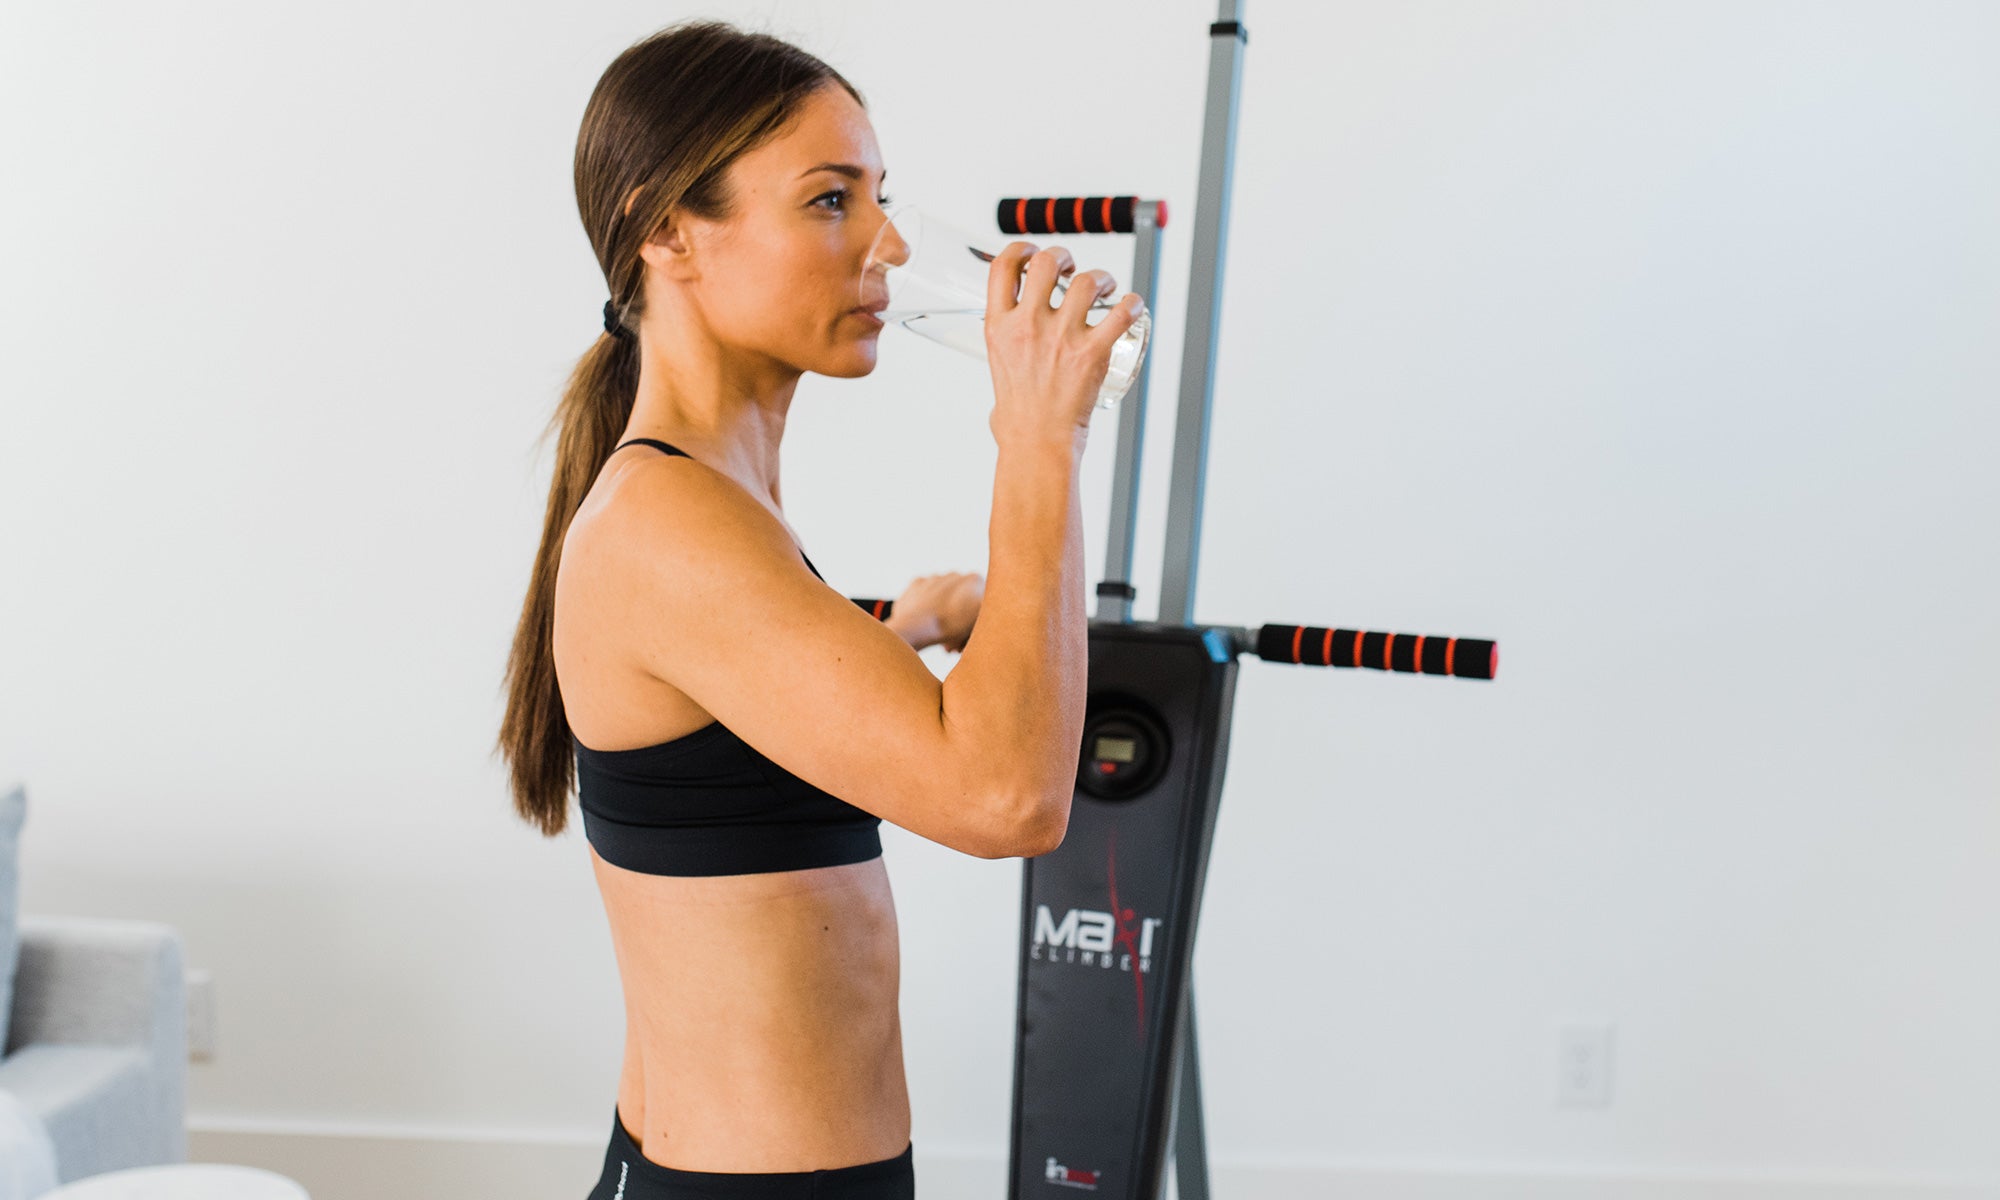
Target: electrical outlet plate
200,1014
1583,1064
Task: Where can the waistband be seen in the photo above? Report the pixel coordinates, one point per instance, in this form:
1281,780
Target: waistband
891,1178
731,849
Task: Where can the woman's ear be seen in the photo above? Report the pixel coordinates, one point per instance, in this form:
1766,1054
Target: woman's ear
670,250
667,250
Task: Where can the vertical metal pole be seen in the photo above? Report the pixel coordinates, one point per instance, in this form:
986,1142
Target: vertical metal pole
1190,1134
1114,594
1227,38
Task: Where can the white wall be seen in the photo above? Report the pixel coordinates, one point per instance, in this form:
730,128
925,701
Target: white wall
1655,340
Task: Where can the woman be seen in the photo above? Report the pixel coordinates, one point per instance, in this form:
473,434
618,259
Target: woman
737,728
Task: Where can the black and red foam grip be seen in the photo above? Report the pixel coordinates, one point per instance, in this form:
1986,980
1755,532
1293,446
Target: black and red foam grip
1073,214
879,609
1416,653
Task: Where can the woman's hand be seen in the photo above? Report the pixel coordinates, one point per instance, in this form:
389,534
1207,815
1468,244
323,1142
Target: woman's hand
1047,362
939,610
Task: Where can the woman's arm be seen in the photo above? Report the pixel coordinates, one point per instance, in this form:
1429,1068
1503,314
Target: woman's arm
938,609
911,630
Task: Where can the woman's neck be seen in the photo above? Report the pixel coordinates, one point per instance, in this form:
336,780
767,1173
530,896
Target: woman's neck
727,412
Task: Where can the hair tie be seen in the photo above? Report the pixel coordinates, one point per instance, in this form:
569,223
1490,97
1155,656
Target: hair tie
611,325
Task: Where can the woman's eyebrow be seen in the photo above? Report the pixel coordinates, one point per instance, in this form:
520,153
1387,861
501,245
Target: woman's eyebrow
848,169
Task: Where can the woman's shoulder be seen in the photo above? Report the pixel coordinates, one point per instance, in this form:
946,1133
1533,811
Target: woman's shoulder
662,510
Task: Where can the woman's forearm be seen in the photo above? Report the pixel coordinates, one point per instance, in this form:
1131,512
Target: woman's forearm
919,634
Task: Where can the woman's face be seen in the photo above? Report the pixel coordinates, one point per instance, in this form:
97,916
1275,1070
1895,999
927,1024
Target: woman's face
780,277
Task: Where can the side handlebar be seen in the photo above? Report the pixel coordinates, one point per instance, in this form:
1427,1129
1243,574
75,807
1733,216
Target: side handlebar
1318,646
1416,653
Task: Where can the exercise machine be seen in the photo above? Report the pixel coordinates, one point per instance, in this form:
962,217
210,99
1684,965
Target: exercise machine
1107,1076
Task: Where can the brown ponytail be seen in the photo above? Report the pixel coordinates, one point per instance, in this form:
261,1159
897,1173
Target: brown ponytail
662,126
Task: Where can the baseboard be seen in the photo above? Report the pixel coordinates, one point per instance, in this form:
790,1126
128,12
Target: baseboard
355,1162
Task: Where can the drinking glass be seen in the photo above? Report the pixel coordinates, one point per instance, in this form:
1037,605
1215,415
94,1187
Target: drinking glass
939,291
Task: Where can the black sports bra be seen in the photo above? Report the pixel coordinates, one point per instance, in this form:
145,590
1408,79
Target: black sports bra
709,803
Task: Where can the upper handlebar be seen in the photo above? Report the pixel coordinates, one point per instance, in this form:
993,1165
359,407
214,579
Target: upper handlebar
1073,214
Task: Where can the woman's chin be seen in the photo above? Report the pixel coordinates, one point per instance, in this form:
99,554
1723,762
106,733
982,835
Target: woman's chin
853,359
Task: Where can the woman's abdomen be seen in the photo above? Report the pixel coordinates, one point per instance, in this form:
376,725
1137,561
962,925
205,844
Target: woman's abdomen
761,1017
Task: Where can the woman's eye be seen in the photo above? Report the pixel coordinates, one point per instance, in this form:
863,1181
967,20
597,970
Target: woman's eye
839,197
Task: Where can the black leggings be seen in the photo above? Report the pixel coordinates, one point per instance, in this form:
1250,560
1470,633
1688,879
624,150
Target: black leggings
630,1175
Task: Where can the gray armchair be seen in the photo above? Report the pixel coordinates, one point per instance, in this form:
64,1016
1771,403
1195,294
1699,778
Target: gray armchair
97,1041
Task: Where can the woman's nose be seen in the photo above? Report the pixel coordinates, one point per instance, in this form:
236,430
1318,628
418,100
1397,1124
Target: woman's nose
888,249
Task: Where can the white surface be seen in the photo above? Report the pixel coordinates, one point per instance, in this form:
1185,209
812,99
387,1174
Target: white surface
27,1158
200,1014
1654,339
183,1181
